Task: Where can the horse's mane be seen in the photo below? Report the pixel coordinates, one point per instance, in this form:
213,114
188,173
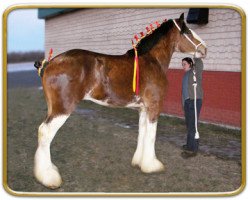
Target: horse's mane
147,43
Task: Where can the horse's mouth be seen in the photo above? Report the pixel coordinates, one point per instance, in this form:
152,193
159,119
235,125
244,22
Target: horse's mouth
200,54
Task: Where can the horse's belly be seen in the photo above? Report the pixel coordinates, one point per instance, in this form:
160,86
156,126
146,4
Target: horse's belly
107,102
134,105
100,102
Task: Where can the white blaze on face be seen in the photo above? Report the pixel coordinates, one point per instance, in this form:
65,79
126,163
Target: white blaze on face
197,37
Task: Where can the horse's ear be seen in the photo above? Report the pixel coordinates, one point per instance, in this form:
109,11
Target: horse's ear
181,19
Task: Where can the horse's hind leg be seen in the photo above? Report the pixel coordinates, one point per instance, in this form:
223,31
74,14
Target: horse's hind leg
45,171
61,101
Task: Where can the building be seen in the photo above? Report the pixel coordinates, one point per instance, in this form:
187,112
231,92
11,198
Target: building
110,31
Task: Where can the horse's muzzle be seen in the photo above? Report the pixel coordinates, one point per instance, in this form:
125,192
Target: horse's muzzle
201,52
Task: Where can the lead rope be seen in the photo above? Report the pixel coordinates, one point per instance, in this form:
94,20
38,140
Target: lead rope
195,106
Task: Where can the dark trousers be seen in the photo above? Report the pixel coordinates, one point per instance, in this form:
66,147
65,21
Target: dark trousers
192,143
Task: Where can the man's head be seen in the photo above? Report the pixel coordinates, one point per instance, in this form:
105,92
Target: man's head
187,64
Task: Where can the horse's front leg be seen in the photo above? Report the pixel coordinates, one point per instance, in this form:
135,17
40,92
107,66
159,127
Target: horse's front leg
44,170
137,158
149,162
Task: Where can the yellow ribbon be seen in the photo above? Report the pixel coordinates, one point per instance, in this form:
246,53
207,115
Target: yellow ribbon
135,69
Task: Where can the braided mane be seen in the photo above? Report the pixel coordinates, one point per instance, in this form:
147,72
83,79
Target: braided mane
147,43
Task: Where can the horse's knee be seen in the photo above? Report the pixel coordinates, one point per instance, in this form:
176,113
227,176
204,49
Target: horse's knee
154,108
153,114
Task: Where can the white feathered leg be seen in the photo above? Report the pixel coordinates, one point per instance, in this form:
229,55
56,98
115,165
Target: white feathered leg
44,170
149,161
137,158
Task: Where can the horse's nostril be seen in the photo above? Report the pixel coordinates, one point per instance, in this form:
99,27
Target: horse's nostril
205,51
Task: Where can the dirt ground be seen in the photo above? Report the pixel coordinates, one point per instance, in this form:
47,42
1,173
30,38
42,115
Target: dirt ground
94,148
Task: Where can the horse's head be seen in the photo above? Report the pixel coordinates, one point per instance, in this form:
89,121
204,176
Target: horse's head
188,41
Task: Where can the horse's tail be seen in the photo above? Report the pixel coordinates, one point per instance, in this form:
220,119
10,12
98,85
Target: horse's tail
37,64
40,66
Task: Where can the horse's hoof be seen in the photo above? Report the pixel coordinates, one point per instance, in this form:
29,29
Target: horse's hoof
49,177
134,164
152,166
136,161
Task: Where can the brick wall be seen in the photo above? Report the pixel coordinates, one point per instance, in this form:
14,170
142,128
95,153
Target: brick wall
222,96
110,31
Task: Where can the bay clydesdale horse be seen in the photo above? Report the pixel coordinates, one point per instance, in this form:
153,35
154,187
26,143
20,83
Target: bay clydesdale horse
78,75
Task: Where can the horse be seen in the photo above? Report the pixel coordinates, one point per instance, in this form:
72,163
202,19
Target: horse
77,75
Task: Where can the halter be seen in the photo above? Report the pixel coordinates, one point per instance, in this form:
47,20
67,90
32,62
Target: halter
195,45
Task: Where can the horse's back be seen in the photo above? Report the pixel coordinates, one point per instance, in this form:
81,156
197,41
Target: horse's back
79,58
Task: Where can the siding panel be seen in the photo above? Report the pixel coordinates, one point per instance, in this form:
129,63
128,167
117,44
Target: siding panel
110,31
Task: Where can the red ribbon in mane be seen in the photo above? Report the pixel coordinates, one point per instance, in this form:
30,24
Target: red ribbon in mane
50,54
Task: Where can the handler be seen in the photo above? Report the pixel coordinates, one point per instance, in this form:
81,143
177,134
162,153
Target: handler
192,145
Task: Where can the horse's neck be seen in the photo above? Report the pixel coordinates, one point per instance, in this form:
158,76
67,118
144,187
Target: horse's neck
163,51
